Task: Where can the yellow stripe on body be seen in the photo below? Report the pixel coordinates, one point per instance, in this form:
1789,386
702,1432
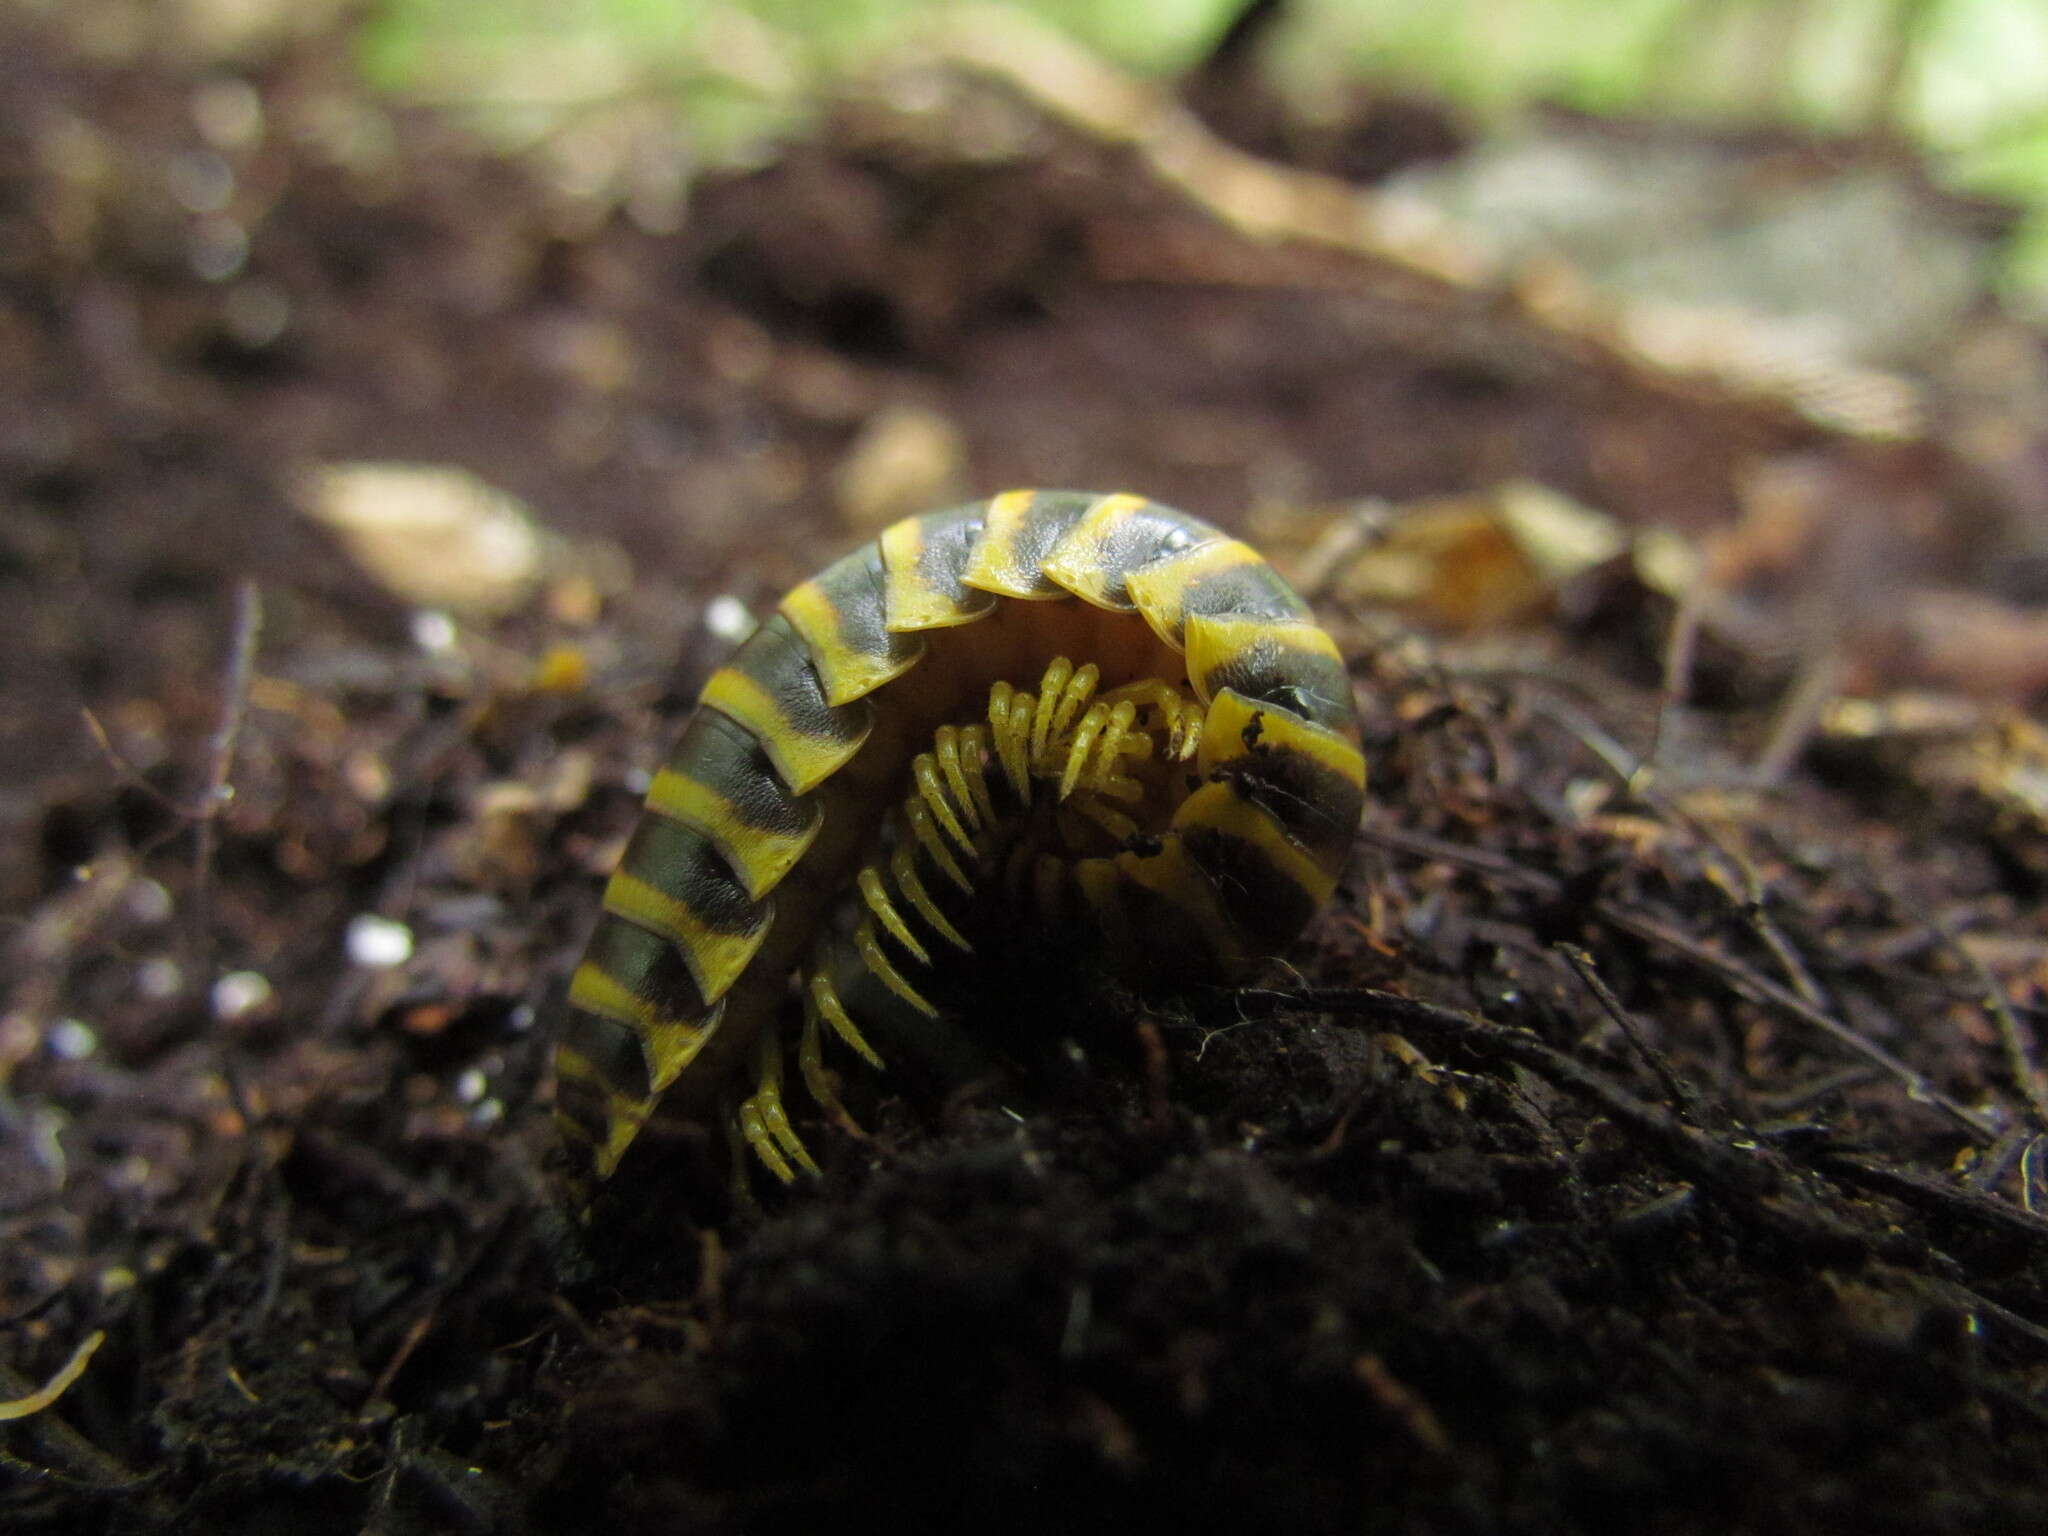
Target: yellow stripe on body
913,603
625,1117
802,760
1220,808
624,1114
1237,727
1160,590
847,671
759,856
997,565
1080,563
1176,879
1215,640
669,1043
595,988
1305,777
715,957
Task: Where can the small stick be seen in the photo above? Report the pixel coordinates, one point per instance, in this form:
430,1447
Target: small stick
1675,1087
221,754
1762,989
1819,680
1935,1194
1681,643
1422,846
1998,1158
2014,1036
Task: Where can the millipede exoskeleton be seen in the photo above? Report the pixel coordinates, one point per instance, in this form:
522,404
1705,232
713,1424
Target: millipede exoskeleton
1091,716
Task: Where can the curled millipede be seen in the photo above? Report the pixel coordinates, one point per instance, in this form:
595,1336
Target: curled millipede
1094,715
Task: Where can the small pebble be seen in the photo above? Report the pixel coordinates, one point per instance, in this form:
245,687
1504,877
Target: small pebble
433,631
378,941
240,993
728,619
148,901
71,1039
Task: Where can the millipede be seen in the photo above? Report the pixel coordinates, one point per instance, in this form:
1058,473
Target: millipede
1089,718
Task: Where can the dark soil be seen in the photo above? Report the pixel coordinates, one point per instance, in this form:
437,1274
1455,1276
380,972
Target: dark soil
1420,1235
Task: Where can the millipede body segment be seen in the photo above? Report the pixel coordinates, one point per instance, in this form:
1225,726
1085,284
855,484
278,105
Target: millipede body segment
1091,718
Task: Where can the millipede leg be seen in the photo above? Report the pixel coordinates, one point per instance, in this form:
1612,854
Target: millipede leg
826,1001
756,1133
926,831
736,1159
1050,691
764,1121
924,770
946,748
1079,748
1113,821
974,749
1009,716
876,894
903,867
1115,735
1121,787
1074,697
872,956
810,1064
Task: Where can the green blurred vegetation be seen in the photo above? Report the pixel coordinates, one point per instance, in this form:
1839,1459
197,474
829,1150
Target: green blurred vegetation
1966,80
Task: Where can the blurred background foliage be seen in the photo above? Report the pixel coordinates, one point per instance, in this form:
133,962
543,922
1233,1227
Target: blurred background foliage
627,99
1963,81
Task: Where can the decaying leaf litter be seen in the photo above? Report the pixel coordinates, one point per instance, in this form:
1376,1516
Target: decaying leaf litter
1652,1126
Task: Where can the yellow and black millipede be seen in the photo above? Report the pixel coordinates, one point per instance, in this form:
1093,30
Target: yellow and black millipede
1091,714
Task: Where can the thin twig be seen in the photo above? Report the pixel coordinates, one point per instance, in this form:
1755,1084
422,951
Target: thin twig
1675,1087
1781,949
1762,989
1749,1169
1738,870
1819,680
1681,642
1809,1008
22,1405
1951,1200
1422,846
1967,1300
1797,1096
221,755
1739,976
2013,1036
1998,1158
409,1341
1756,911
126,771
1627,768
